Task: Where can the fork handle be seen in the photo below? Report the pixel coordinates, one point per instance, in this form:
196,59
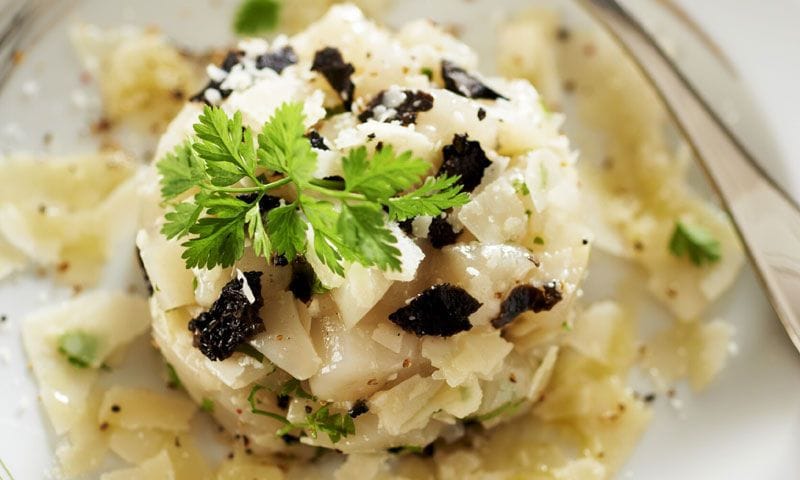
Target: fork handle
767,220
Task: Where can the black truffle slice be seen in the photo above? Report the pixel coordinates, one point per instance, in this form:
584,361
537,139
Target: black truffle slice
457,80
466,158
330,63
414,101
304,280
524,298
316,140
441,233
231,59
359,408
231,321
267,202
442,310
277,60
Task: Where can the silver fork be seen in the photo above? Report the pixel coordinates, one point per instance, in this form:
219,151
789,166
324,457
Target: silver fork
767,219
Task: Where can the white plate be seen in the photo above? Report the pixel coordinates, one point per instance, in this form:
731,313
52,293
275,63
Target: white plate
746,426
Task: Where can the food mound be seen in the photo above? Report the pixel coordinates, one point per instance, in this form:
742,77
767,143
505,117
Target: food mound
353,237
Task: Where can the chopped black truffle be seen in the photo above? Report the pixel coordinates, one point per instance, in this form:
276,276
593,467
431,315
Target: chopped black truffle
442,310
304,282
524,298
316,140
330,63
359,408
283,401
290,439
457,80
414,101
267,202
481,114
441,233
277,60
465,158
232,319
231,59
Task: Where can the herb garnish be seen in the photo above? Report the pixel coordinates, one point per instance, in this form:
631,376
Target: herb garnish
335,425
696,242
79,347
207,405
173,380
348,217
256,16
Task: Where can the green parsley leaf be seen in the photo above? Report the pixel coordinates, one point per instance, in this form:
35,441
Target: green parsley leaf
432,198
79,347
283,146
385,175
288,230
538,240
207,405
256,231
428,72
364,225
695,242
217,241
257,16
180,220
229,154
180,170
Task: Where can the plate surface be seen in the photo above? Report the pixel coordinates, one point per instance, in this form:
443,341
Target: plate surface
746,426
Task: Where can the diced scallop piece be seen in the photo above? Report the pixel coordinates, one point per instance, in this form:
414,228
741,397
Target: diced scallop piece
136,408
259,102
401,138
209,283
158,467
111,320
363,287
410,256
171,280
354,366
456,115
525,123
179,129
497,214
409,405
546,172
430,44
85,447
487,272
475,353
285,342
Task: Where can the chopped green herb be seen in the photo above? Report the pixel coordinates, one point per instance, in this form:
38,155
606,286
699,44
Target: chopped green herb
335,426
293,388
79,347
566,326
195,283
250,351
207,405
695,242
507,408
521,187
347,217
173,380
528,212
538,240
257,16
427,72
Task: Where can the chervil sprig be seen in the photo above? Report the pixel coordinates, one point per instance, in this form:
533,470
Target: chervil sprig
216,181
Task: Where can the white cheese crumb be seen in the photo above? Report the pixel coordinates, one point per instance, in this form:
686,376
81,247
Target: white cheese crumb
212,96
215,73
393,97
248,293
421,225
253,47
